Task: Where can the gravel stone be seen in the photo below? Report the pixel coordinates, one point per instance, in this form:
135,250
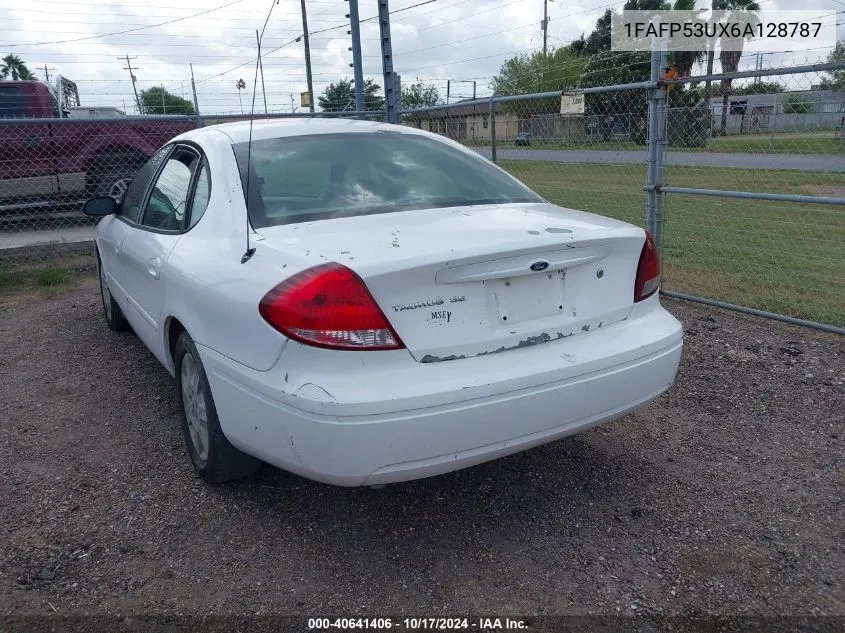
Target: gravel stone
724,496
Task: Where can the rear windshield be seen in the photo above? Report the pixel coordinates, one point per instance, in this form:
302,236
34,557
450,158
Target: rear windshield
12,104
317,177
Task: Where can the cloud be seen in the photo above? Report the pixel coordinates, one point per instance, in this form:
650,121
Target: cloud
440,41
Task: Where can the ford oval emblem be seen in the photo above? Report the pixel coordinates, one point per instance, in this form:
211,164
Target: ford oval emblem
538,266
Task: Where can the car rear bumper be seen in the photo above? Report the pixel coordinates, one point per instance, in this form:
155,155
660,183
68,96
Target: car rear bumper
353,418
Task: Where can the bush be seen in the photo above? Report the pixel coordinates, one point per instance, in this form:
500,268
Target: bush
797,105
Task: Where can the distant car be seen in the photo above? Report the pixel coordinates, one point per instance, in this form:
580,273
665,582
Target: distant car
50,154
362,303
523,138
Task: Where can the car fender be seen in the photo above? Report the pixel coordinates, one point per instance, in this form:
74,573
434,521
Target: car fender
208,289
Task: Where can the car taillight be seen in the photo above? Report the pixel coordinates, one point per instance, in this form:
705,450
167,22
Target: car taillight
329,306
648,271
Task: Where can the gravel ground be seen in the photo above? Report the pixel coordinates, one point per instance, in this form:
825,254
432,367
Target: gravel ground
725,496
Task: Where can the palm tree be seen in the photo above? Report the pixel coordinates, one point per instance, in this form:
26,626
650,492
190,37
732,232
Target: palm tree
684,61
738,10
240,86
13,66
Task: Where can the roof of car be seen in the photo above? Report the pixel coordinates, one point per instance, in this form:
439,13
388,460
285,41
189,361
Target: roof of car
275,128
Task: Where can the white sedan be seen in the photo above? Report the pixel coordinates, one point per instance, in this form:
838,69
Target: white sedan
362,303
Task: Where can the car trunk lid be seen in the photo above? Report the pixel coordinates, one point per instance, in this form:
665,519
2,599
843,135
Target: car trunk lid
470,281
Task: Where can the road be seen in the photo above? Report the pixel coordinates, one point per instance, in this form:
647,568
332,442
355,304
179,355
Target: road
801,162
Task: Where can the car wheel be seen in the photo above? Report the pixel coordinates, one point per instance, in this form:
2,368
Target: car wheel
113,313
114,182
214,458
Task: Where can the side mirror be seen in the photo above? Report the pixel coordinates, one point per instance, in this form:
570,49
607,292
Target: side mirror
100,207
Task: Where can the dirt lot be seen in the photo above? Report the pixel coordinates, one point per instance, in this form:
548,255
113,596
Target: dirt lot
723,497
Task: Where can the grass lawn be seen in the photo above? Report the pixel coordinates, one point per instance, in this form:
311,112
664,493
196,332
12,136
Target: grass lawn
783,257
46,277
778,144
782,143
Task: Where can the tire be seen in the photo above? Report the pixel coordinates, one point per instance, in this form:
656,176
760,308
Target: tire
114,315
114,181
214,458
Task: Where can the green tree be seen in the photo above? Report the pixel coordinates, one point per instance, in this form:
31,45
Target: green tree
158,101
836,81
759,88
605,67
240,85
341,96
797,105
14,67
419,95
560,69
731,47
684,61
599,39
617,67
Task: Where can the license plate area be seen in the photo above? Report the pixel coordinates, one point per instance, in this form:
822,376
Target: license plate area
528,297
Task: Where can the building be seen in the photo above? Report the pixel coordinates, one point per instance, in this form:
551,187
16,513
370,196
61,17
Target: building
780,111
468,123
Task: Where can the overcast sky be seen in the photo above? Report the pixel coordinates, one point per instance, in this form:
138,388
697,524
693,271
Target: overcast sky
436,41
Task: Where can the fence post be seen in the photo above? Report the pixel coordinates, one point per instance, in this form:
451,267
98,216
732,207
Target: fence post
492,128
391,95
655,200
662,143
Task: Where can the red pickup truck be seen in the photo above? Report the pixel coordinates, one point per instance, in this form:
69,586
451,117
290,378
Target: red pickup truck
49,156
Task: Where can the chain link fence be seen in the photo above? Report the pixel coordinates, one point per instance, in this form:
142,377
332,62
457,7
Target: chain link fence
756,218
741,177
743,181
50,166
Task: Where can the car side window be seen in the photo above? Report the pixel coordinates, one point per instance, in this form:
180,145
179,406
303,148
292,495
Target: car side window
168,201
201,195
130,208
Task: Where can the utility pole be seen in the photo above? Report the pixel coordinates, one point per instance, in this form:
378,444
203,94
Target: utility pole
545,26
194,89
132,76
163,107
307,58
759,65
47,72
357,69
460,81
261,68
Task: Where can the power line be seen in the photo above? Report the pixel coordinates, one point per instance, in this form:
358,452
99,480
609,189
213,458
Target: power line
140,28
312,33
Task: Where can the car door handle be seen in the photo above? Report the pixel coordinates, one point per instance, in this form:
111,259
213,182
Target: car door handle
154,267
